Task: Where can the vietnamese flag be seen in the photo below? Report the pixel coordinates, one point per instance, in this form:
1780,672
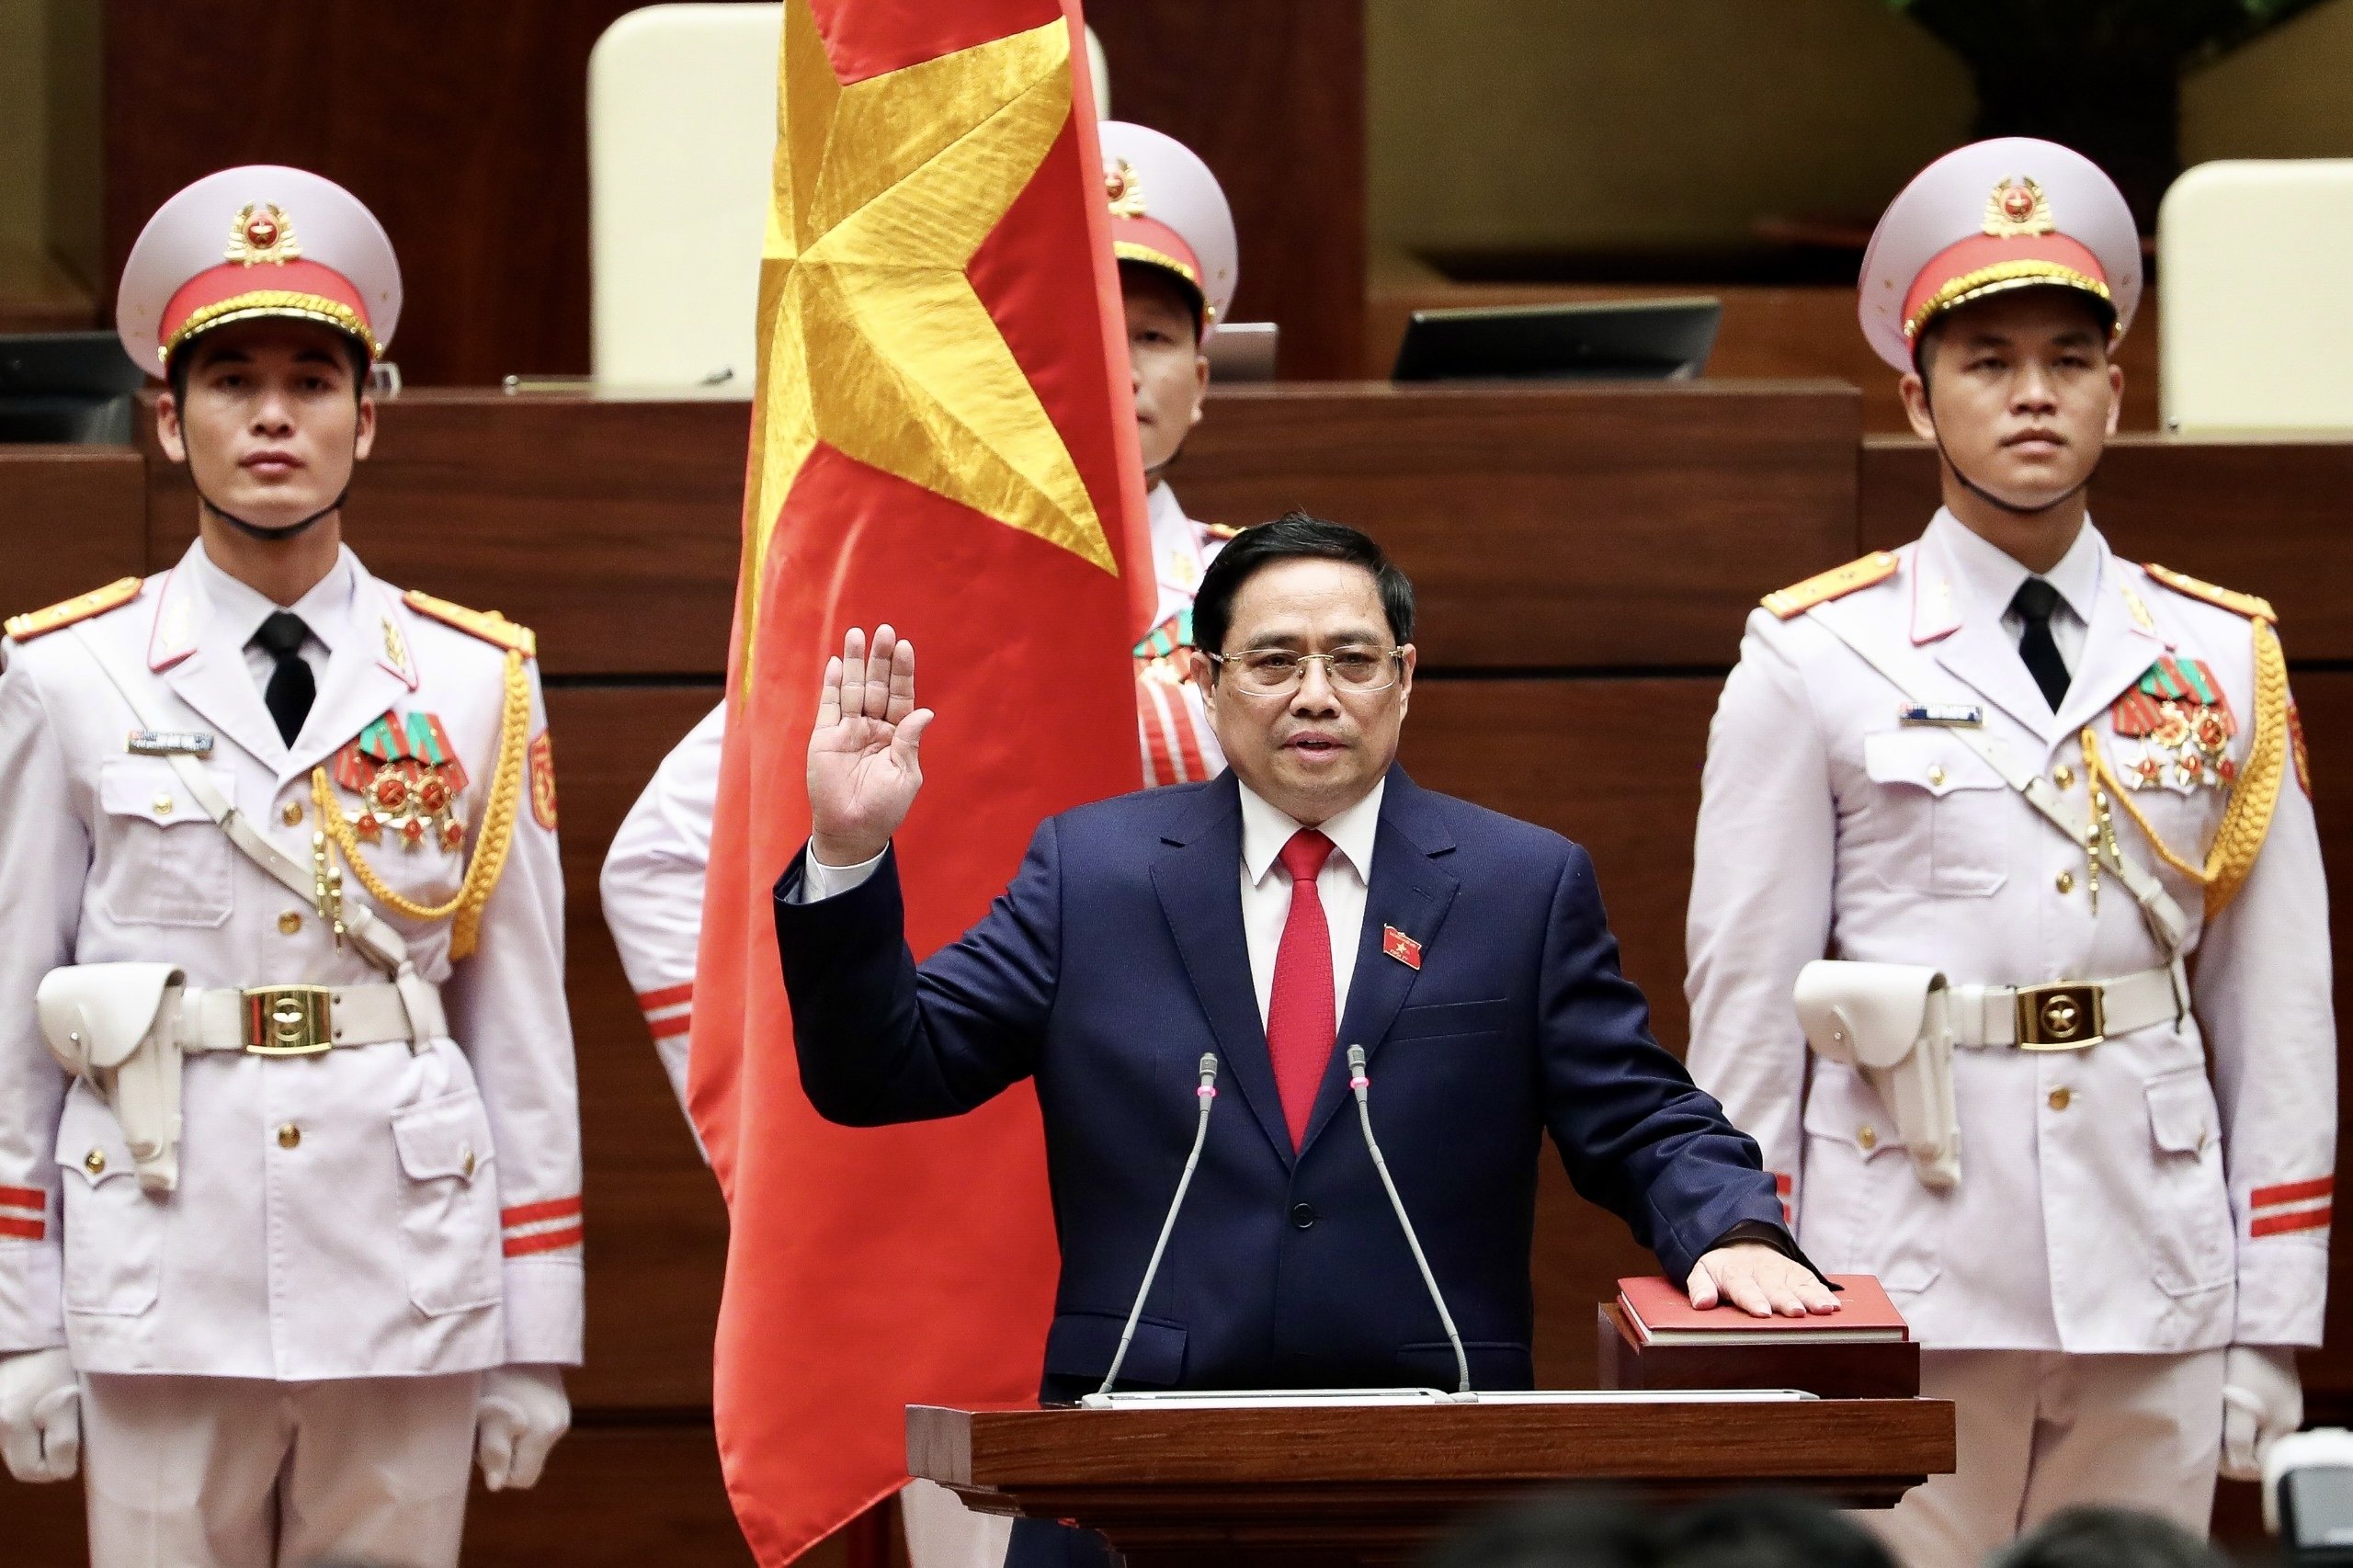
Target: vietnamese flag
943,438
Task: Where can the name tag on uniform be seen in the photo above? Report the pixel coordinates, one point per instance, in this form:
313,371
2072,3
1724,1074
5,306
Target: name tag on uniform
171,743
1946,715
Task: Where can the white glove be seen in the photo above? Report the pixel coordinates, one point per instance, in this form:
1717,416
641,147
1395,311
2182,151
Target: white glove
2262,1401
41,1416
518,1417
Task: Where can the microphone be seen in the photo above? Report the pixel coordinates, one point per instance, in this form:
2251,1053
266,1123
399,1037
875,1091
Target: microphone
1360,1083
1207,1094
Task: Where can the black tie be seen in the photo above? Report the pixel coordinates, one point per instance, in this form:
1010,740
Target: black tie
291,688
2034,602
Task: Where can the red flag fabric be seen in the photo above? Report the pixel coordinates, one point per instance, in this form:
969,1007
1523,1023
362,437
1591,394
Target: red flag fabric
943,438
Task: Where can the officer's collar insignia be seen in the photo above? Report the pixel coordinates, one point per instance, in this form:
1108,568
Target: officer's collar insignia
1933,615
394,658
2182,718
2017,208
262,231
174,638
1124,188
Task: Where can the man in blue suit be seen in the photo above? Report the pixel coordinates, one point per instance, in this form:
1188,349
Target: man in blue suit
1310,898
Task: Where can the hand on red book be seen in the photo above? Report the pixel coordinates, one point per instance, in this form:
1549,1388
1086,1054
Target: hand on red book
1760,1282
863,767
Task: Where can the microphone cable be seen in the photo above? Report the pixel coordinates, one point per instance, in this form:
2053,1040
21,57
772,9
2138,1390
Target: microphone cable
1206,1093
1362,1085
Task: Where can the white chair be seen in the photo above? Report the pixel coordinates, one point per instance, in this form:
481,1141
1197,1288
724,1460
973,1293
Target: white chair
2255,323
681,141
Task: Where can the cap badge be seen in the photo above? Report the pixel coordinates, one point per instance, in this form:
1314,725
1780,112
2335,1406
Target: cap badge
262,231
2018,207
1124,187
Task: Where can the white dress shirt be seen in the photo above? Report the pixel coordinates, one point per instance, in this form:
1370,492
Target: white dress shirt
1990,576
1266,886
325,609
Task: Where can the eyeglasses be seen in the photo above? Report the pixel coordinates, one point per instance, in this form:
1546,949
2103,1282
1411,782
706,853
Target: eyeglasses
1277,672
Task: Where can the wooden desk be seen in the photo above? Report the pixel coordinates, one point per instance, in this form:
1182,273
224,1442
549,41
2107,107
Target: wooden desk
1586,558
1175,1487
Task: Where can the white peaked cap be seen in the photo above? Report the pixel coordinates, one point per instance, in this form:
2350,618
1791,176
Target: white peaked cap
263,240
1168,211
2009,214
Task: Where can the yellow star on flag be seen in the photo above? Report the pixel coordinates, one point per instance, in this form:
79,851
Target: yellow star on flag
871,338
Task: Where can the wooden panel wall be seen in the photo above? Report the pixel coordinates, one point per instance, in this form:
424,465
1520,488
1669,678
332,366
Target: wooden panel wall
464,127
1272,99
1586,557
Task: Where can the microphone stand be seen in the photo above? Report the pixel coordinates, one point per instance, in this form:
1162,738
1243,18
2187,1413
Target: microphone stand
1207,1096
1361,1084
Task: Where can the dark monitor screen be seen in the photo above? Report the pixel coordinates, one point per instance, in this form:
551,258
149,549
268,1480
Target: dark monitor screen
1609,340
66,386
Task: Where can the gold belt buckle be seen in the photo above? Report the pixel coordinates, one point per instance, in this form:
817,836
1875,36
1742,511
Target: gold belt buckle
2066,1016
289,1020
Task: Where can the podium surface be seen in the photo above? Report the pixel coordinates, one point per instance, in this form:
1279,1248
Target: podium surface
1375,1483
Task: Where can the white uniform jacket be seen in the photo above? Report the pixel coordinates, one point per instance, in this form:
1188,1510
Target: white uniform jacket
368,1211
652,887
653,881
2110,1201
1172,723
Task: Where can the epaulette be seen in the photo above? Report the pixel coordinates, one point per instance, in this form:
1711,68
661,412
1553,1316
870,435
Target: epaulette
1221,532
486,624
2247,605
98,601
1839,581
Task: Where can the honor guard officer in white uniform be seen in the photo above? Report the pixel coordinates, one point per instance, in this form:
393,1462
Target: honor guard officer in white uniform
1174,235
290,1155
2048,812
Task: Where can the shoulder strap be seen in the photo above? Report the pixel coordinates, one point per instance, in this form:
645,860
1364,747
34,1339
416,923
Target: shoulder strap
381,944
1838,582
40,622
2167,920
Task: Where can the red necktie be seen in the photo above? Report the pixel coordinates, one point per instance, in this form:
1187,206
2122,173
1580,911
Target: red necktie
1300,1026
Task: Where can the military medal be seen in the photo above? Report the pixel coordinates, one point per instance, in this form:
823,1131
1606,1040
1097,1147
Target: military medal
409,779
2182,718
1163,641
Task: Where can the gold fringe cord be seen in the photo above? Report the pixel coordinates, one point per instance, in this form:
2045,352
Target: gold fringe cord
491,844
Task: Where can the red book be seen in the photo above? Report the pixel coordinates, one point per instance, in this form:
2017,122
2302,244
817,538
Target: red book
1660,1313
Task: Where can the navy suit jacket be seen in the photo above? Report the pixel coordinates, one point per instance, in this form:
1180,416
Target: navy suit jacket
1116,958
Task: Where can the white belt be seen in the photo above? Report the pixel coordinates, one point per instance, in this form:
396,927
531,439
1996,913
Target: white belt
2066,1014
301,1020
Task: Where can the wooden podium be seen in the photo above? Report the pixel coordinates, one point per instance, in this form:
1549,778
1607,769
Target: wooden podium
1375,1483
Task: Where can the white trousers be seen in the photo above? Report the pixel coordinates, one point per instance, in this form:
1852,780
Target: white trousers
943,1533
233,1472
2041,1430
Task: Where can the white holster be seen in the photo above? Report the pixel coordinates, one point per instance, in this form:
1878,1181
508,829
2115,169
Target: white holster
1892,1022
116,1027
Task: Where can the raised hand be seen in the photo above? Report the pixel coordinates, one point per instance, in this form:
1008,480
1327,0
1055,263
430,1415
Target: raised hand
863,768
